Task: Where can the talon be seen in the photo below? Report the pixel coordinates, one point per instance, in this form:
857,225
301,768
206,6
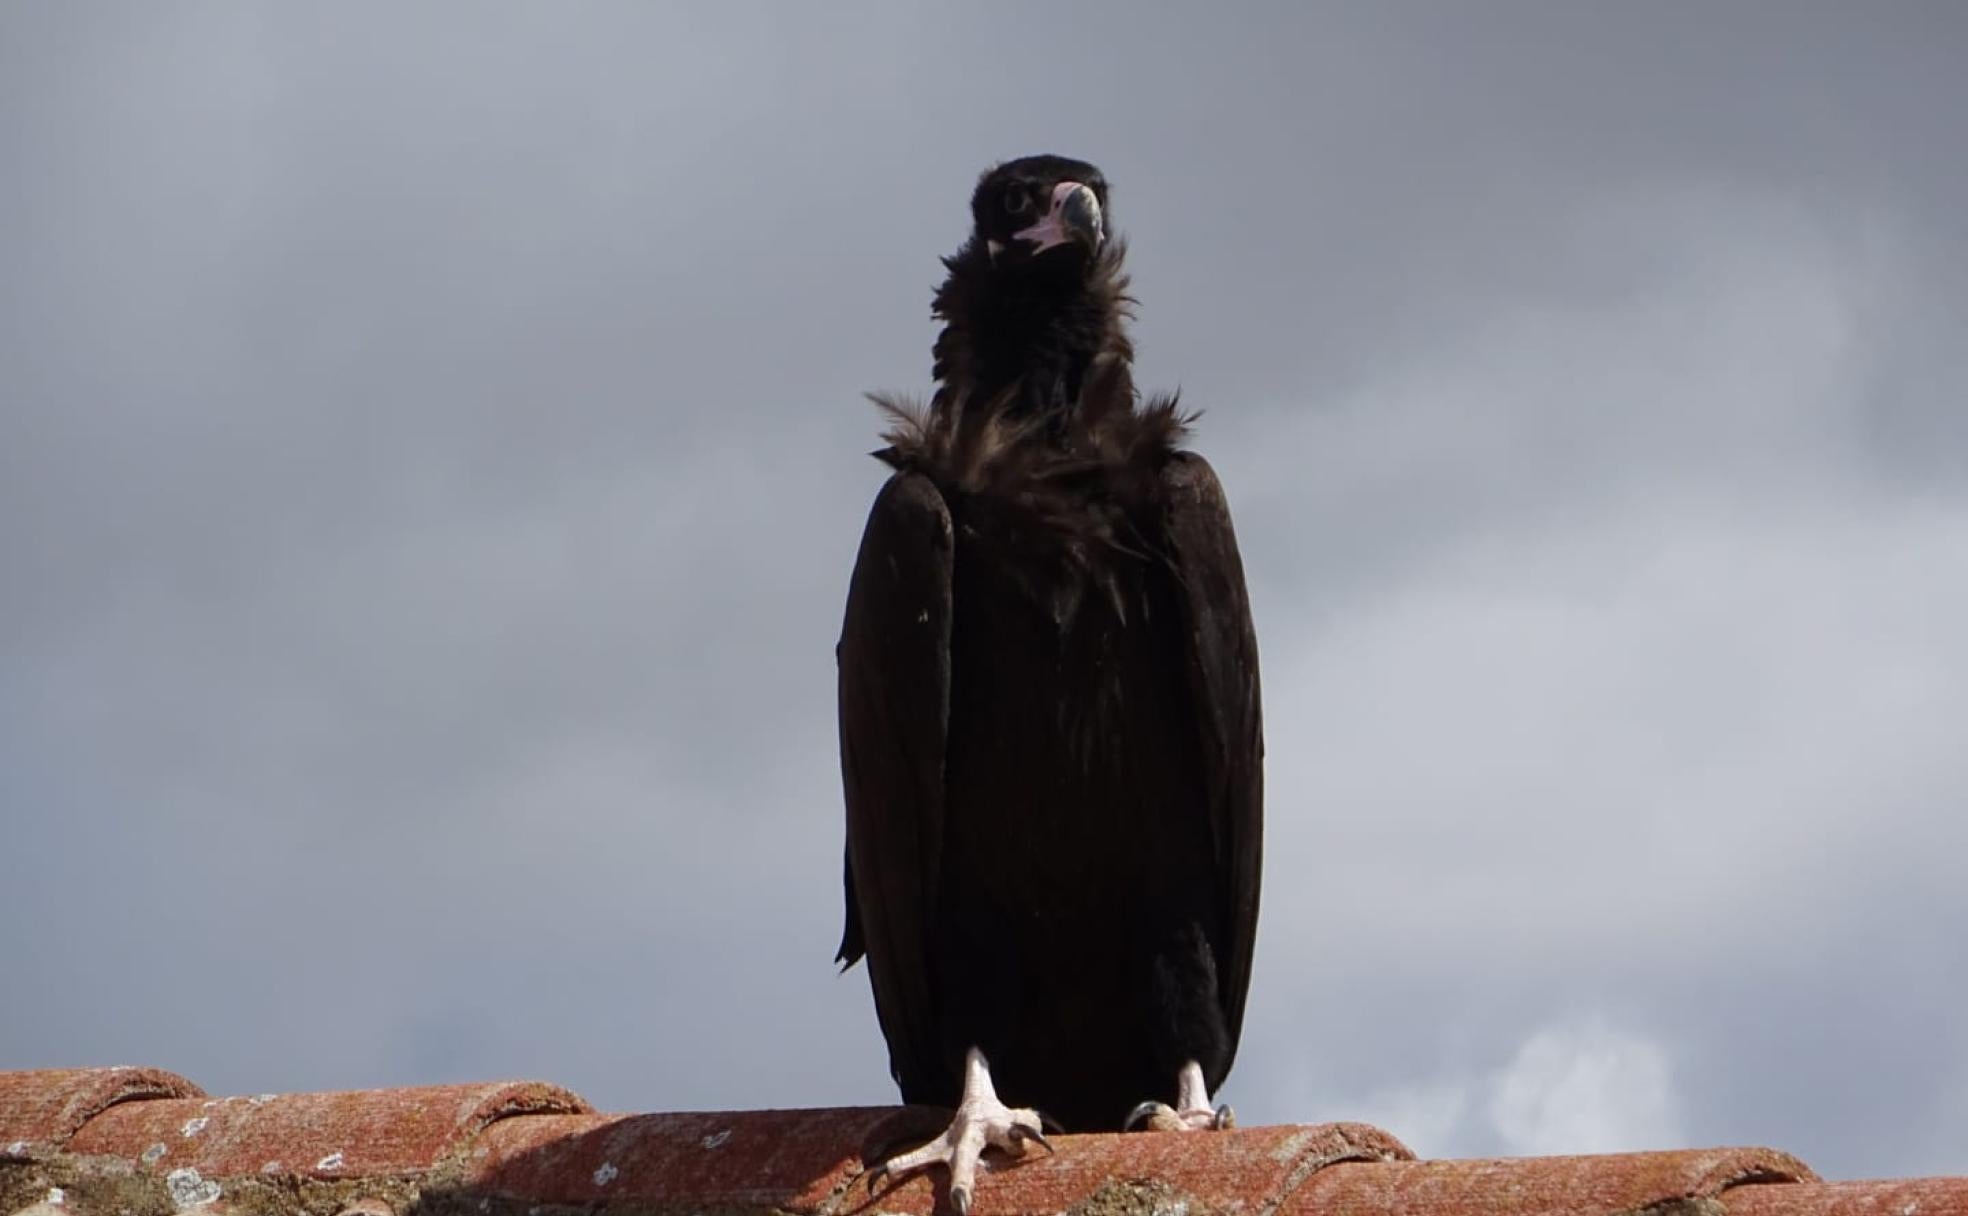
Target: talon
1051,1124
1191,1112
980,1124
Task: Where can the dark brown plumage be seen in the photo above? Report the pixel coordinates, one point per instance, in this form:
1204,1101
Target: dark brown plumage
1050,734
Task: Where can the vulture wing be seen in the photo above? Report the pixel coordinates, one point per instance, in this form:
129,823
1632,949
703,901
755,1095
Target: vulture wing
1223,681
894,658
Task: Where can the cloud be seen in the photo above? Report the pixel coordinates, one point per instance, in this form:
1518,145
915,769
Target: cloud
1585,1088
1607,673
1575,1085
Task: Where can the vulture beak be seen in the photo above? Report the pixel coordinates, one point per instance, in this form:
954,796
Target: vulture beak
1074,216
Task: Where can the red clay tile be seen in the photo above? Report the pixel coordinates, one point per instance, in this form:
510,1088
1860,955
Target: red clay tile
792,1160
1247,1170
1899,1197
536,1145
353,1134
810,1161
42,1108
1528,1186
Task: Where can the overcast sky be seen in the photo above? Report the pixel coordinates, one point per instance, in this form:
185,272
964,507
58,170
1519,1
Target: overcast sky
432,456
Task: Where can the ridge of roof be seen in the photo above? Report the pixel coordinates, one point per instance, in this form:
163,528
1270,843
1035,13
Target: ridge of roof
75,1142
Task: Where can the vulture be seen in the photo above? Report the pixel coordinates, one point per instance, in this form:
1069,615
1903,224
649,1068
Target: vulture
1049,724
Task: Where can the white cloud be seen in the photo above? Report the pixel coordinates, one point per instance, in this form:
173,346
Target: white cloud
1578,1085
1585,1087
1605,658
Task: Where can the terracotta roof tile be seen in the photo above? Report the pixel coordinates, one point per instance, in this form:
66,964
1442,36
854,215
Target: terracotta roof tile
793,1160
1892,1197
79,1142
1611,1183
354,1134
40,1109
809,1161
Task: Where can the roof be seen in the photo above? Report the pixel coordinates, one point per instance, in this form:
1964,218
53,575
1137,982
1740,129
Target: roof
144,1142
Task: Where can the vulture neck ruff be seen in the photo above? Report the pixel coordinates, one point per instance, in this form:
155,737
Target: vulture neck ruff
1030,331
1035,390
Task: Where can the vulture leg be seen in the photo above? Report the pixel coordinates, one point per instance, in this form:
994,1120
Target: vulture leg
981,1122
1195,1115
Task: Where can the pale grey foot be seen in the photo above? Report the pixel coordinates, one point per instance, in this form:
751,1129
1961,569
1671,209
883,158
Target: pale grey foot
981,1122
1191,1112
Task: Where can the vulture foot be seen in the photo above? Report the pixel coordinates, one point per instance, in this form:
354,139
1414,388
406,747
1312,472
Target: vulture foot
1191,1113
981,1122
1161,1117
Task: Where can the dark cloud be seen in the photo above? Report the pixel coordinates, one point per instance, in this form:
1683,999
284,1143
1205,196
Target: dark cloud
431,457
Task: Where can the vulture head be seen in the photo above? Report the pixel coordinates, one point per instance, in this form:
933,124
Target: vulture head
1041,215
1034,313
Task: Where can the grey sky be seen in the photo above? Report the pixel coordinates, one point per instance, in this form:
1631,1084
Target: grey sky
431,457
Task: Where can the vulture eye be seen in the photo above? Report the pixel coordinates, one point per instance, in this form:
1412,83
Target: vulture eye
1017,199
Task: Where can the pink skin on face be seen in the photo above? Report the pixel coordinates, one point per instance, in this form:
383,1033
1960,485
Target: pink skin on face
1051,230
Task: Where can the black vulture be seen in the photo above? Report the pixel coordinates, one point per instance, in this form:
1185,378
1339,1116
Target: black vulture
1049,720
